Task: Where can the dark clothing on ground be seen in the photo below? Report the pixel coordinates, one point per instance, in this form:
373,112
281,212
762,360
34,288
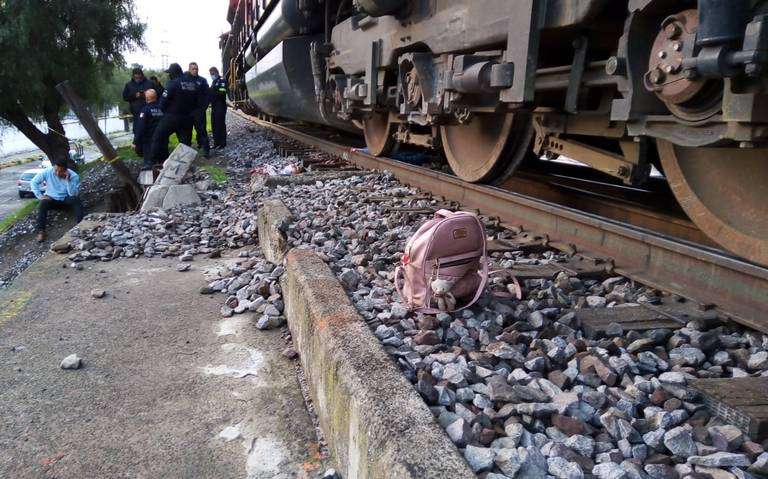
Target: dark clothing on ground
149,119
129,95
69,203
217,96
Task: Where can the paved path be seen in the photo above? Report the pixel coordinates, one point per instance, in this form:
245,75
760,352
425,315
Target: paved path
9,193
163,377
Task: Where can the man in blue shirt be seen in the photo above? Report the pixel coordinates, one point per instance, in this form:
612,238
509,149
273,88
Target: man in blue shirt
62,189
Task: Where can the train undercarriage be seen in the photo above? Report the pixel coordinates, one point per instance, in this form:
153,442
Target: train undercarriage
622,86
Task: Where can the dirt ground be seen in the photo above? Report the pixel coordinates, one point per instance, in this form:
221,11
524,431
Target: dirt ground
168,389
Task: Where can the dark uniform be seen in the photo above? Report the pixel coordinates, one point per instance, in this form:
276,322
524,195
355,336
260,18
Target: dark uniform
149,119
198,114
218,98
179,100
129,95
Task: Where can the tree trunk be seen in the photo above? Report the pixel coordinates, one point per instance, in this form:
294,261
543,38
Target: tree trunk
53,145
59,144
100,139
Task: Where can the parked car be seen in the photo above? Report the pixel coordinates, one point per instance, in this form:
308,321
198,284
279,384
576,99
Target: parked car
25,180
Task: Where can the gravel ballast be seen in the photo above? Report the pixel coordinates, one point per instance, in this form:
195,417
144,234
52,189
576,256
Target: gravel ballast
516,384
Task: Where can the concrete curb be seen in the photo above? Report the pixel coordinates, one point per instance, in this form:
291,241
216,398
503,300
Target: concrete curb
376,424
13,163
272,216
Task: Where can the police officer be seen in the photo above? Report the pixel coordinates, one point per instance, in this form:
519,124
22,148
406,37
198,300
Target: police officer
149,118
218,98
134,91
199,120
178,101
158,87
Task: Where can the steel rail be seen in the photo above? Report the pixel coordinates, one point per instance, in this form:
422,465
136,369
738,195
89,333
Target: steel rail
712,278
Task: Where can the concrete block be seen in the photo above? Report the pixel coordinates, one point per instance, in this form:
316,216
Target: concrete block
180,195
273,215
376,424
155,197
176,166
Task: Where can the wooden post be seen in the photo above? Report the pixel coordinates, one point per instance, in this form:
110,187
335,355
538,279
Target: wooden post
99,138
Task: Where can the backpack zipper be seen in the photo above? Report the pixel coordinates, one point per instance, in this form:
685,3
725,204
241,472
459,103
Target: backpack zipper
456,263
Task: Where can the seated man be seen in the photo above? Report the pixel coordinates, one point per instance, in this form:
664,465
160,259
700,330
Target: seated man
62,187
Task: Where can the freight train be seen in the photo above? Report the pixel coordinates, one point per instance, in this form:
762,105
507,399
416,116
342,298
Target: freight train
619,85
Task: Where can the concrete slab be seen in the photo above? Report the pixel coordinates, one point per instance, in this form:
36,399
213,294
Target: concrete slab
177,165
155,197
273,215
180,195
375,423
167,388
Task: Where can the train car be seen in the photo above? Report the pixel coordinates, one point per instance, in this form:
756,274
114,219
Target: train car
620,85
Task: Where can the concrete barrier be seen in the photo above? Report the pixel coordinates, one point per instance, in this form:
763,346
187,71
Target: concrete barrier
273,215
376,424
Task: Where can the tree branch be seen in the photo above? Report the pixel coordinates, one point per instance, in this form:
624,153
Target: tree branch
18,118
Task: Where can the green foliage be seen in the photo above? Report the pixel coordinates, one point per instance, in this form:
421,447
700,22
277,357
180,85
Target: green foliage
18,215
44,42
218,174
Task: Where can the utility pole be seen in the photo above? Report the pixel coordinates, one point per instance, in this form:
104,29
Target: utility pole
99,138
164,50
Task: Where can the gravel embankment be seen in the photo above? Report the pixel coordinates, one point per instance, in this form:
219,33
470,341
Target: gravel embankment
18,246
516,385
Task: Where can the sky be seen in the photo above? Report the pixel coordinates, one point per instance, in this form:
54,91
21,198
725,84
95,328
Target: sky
184,30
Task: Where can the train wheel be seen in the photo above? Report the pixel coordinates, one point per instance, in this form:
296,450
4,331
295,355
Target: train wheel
489,148
723,191
379,134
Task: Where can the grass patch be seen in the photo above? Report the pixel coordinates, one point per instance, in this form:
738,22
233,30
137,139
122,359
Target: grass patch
18,162
18,215
174,140
125,153
218,174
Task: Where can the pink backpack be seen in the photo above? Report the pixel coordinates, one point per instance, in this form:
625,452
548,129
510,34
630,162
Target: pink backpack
450,248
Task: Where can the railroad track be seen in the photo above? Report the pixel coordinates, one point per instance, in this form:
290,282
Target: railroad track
713,280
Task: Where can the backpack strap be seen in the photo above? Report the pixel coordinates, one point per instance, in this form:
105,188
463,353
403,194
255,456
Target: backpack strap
399,273
444,213
483,281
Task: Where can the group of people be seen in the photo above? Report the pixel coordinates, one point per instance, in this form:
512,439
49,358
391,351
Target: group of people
158,112
180,108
